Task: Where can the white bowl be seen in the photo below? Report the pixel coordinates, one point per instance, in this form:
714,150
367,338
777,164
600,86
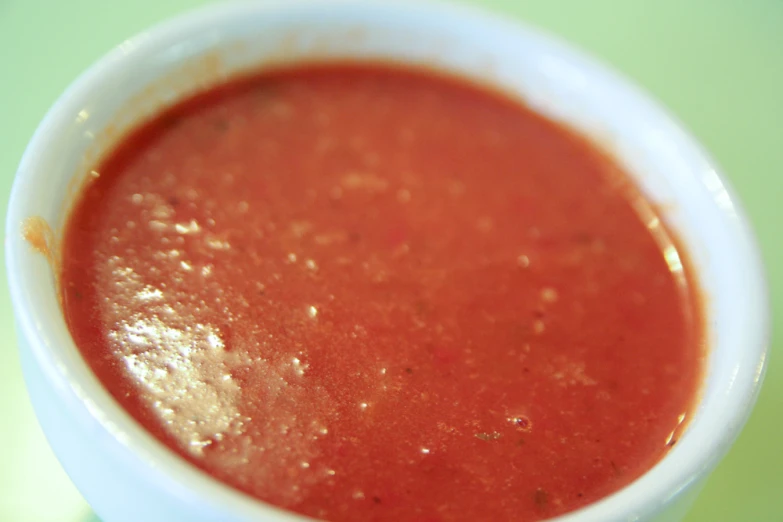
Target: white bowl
126,474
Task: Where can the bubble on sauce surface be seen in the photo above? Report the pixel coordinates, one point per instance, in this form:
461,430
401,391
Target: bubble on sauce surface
191,227
521,422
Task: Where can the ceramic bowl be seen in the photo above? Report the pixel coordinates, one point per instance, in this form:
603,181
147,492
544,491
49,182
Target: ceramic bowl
126,474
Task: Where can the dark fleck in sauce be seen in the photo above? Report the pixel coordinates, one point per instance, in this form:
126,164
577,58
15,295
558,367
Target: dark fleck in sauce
368,293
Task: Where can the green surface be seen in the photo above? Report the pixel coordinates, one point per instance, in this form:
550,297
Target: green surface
717,64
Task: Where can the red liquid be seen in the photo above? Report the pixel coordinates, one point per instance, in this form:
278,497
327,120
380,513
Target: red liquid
365,293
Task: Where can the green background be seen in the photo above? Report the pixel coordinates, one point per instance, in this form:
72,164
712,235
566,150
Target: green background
717,64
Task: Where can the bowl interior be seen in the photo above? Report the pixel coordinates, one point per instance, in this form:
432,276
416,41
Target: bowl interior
184,56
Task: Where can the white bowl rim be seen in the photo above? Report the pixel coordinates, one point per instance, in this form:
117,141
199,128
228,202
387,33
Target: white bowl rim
167,468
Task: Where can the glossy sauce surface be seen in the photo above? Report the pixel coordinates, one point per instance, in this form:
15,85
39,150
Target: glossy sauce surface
367,293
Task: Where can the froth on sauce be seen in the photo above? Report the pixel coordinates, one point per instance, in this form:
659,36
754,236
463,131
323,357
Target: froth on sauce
362,292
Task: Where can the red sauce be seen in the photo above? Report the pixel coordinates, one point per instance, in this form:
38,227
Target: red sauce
367,293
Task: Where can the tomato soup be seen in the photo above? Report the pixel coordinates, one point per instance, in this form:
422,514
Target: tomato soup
366,292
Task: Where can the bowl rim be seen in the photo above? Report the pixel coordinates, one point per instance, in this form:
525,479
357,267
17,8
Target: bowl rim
178,475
